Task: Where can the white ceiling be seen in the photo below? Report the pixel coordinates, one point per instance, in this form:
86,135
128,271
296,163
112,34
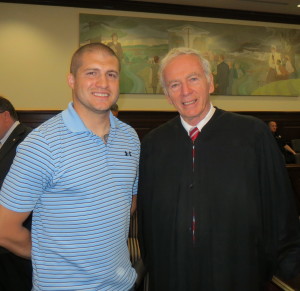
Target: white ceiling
266,6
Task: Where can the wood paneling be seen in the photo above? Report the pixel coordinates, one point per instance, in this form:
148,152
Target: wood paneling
144,121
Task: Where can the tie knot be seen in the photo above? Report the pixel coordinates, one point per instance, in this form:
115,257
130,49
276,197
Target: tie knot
194,133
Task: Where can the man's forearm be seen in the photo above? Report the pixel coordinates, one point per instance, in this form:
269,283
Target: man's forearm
289,149
19,244
133,204
13,235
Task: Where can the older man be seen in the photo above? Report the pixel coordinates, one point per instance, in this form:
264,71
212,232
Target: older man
12,132
16,272
215,206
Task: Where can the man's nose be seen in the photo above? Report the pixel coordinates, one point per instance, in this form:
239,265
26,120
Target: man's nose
102,82
186,89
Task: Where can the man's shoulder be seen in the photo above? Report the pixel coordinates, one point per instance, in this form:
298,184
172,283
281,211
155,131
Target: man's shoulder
49,128
123,125
239,124
238,118
22,129
18,134
51,124
164,129
128,130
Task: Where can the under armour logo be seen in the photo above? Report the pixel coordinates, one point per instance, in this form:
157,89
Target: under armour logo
127,153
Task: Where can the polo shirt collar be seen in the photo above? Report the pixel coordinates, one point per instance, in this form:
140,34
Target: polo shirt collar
74,122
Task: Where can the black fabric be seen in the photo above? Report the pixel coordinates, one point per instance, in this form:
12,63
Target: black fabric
8,150
15,272
289,158
246,223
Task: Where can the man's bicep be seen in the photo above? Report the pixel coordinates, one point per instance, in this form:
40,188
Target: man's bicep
11,220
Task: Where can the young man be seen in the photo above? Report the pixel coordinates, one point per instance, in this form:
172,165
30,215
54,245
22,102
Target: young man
16,272
216,209
78,173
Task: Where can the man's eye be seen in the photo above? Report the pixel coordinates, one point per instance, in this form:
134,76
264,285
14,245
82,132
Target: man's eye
91,73
174,85
194,79
113,75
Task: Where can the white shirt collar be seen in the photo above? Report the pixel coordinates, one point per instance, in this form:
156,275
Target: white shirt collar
6,136
201,124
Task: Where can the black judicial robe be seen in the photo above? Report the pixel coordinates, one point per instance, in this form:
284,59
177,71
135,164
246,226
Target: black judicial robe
245,225
8,150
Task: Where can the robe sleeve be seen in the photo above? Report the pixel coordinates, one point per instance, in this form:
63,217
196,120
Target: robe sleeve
281,226
143,203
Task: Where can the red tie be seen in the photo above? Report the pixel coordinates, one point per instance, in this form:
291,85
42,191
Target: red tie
194,133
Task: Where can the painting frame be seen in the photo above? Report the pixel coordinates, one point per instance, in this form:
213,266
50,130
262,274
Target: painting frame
121,24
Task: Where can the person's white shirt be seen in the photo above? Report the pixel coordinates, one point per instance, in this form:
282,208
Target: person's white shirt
8,133
201,124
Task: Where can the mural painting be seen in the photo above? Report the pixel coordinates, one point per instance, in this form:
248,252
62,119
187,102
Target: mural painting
245,60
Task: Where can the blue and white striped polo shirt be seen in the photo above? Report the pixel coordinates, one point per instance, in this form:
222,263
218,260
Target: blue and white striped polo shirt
80,191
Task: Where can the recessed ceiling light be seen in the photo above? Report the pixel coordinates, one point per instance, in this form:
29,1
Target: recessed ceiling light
298,5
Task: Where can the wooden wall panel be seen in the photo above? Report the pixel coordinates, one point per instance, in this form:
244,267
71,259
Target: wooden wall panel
144,121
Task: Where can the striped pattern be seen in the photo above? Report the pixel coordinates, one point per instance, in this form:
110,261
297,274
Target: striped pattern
194,133
81,191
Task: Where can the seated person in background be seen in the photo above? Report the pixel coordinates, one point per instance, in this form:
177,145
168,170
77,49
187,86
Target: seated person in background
115,109
287,151
16,272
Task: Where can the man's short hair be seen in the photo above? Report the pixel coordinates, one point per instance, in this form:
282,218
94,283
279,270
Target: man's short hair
183,51
5,105
91,47
269,122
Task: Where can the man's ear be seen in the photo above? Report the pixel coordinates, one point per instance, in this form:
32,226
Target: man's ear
211,84
6,115
71,80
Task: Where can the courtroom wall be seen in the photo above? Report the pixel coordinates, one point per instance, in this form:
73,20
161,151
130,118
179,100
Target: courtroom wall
37,42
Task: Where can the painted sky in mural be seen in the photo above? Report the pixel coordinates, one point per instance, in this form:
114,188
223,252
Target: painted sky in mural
245,60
